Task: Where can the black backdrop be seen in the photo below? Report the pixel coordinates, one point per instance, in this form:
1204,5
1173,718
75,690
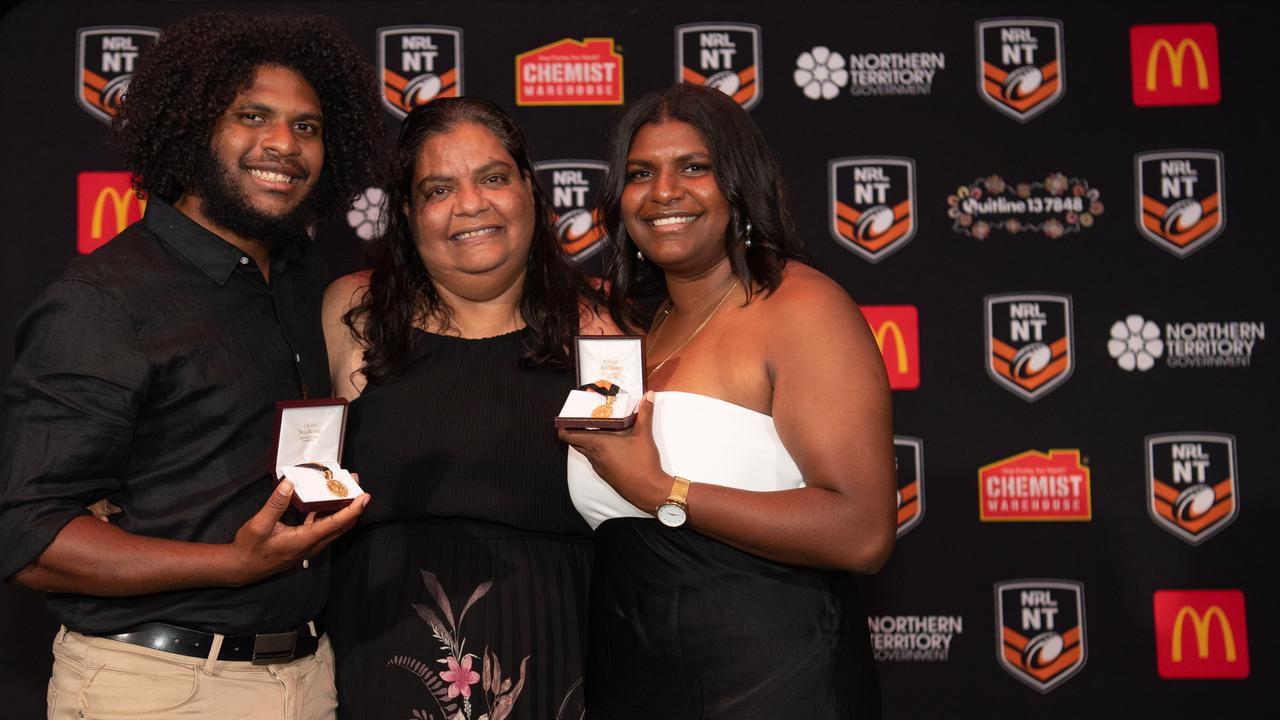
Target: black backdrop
941,588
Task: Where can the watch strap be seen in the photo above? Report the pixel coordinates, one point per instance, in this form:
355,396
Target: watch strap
679,492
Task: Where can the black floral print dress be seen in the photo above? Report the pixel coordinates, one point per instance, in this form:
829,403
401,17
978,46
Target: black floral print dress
463,592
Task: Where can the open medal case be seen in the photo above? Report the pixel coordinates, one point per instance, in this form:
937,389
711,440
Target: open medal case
310,435
610,383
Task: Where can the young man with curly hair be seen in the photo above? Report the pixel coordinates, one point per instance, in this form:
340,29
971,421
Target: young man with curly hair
148,374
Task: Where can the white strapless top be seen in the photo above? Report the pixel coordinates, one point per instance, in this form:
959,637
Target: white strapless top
700,438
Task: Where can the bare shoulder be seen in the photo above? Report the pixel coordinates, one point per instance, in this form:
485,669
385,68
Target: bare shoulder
346,292
806,292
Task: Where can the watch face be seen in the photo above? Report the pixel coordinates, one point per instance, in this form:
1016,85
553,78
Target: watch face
671,515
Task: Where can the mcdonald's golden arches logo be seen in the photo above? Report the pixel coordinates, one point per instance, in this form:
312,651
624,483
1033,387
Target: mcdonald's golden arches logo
1201,634
105,205
1175,64
897,332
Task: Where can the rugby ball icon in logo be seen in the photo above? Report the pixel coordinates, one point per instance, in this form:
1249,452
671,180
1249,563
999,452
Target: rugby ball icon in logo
1193,502
1022,82
1031,360
1042,650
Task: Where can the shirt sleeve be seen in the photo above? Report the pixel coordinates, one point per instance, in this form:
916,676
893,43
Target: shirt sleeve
66,415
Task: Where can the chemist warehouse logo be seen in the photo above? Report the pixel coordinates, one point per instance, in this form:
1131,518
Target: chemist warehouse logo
913,638
1030,346
1192,490
1021,65
569,72
1035,486
872,203
105,60
725,56
105,205
417,64
574,186
1040,638
1182,204
909,462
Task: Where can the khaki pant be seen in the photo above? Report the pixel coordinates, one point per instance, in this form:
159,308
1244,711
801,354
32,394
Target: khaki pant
106,679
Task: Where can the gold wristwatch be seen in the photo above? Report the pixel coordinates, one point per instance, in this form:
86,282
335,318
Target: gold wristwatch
675,511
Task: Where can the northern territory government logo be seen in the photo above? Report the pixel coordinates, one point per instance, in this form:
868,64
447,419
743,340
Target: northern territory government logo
1201,634
1035,486
1192,489
570,72
417,64
822,73
1136,343
1040,638
1021,65
1175,64
1182,204
105,60
913,638
1054,206
106,204
872,204
574,186
724,55
1030,346
908,453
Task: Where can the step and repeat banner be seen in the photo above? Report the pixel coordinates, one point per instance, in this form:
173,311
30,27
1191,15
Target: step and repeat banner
1057,218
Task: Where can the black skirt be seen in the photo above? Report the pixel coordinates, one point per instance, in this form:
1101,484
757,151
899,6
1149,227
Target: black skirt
683,626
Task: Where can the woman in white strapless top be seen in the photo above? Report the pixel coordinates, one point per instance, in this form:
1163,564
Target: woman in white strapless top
760,473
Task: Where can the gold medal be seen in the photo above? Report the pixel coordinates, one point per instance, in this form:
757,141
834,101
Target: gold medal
335,487
605,410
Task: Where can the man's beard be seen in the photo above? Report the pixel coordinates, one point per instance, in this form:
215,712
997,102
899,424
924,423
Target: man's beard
224,203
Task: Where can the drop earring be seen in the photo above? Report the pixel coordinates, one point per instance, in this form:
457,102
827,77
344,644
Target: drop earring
747,235
639,256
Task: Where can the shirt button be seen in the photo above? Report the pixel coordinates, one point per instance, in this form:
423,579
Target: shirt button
244,260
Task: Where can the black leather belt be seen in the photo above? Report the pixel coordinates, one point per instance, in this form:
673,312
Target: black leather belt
260,649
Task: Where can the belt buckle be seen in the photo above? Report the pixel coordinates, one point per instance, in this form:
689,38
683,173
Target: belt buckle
271,648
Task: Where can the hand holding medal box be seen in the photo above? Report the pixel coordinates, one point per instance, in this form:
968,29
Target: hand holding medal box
611,382
310,435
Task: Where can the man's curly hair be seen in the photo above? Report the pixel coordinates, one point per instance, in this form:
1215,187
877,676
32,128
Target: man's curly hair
195,69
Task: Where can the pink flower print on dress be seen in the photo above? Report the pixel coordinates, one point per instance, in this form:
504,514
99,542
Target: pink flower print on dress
460,677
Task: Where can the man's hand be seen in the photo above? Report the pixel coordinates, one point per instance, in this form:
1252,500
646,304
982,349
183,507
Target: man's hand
264,546
91,557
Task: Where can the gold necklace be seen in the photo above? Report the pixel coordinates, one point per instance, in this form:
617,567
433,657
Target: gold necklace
692,335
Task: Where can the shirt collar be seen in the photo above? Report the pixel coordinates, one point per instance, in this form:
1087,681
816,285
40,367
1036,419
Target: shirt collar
214,256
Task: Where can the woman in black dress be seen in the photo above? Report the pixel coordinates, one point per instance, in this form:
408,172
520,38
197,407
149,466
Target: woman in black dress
465,594
766,452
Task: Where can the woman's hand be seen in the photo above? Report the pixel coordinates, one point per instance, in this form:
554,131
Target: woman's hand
627,459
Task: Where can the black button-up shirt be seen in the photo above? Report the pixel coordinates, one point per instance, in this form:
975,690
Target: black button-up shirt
148,374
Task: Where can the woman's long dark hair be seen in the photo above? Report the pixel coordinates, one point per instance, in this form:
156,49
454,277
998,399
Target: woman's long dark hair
401,292
746,172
